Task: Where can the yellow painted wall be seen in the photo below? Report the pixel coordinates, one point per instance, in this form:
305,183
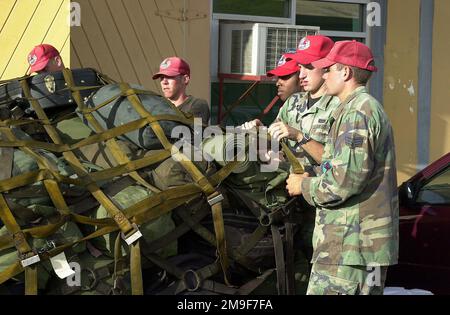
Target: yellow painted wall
440,109
128,39
27,23
401,81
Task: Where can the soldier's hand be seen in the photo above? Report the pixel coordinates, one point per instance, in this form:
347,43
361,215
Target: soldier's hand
280,130
251,124
294,184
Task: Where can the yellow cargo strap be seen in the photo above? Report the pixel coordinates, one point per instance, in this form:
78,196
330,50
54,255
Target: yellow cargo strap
145,211
214,198
123,223
137,286
112,145
17,268
286,277
104,136
296,165
129,231
6,240
27,256
51,185
139,213
121,158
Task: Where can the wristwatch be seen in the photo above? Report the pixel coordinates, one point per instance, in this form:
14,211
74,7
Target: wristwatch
304,141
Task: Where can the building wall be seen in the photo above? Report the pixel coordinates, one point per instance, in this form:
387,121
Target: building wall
27,23
440,101
401,58
128,39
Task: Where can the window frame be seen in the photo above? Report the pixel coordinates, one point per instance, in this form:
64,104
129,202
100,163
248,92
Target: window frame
257,18
425,183
366,34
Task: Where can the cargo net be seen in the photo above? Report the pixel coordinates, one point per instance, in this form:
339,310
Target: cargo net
96,213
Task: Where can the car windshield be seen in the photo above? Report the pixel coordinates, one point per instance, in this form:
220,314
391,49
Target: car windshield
437,190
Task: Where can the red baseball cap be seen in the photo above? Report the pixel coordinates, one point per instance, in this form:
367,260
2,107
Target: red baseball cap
39,57
173,67
312,48
284,68
349,53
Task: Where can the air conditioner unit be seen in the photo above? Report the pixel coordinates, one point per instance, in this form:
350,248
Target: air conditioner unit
255,48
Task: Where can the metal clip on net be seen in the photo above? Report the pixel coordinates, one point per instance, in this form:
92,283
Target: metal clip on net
29,259
215,199
133,235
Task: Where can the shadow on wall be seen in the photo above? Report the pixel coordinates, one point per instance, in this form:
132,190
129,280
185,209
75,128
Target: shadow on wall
440,135
405,172
439,145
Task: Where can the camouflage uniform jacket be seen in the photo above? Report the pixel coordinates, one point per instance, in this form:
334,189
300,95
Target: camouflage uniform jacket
313,121
356,195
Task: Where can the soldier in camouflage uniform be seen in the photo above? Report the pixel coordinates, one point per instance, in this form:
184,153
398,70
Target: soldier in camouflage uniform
288,83
356,229
303,119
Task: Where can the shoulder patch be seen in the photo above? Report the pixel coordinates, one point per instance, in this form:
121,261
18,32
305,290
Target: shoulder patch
354,140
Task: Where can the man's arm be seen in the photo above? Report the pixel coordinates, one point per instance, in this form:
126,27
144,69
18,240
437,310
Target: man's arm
347,173
314,149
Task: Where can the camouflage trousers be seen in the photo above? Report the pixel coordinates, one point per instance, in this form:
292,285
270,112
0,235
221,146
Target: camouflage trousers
346,280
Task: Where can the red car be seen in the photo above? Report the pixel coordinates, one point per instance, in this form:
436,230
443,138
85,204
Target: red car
424,261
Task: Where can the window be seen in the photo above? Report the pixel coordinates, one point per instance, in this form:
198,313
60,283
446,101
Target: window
339,19
331,16
437,191
272,8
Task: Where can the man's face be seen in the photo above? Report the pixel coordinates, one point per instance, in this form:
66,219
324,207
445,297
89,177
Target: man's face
311,78
173,87
288,85
334,79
